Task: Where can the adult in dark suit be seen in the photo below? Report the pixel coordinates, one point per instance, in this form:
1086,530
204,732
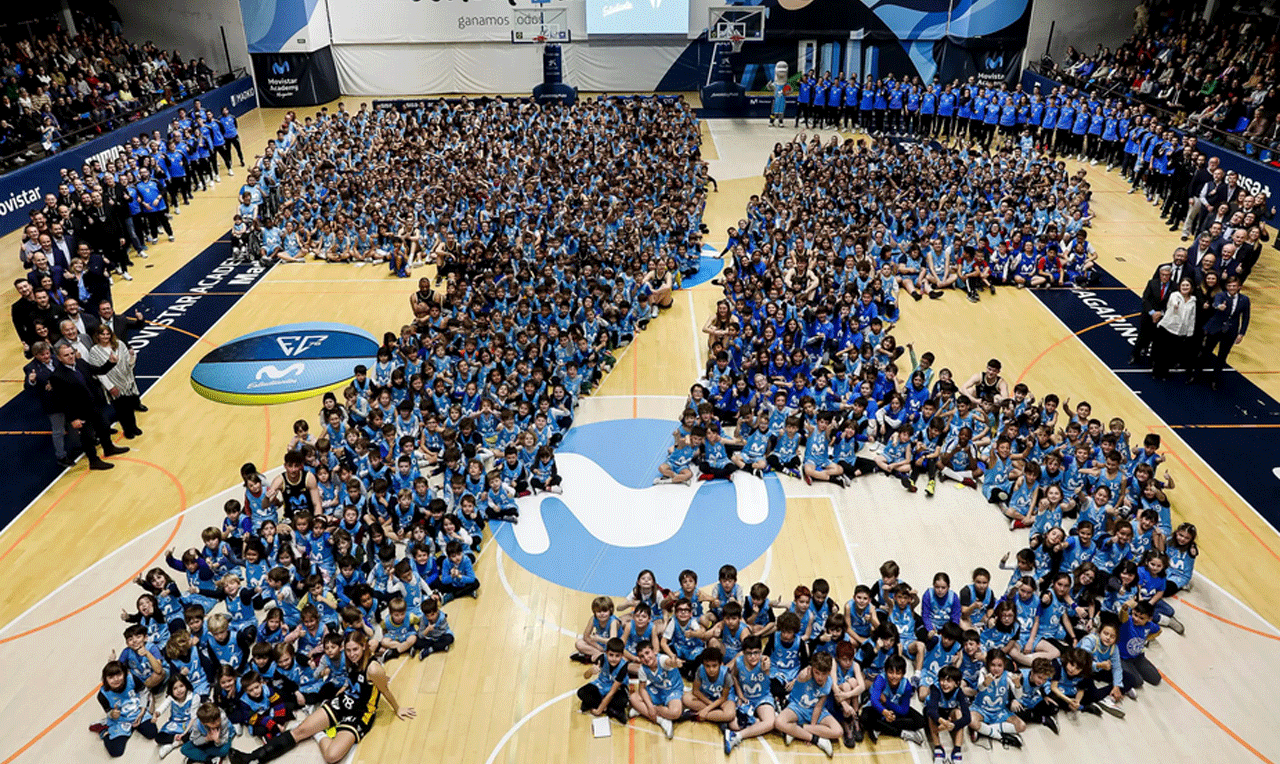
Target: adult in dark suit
121,326
1178,267
1154,299
1226,327
82,401
35,380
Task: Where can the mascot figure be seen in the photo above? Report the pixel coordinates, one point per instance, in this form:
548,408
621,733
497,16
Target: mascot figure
780,88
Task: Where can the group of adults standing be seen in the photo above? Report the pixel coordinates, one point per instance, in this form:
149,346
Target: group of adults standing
78,373
1193,314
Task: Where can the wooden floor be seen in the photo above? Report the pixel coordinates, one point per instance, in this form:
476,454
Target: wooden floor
504,694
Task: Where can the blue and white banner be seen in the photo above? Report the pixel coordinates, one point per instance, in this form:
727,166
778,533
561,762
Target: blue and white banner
24,189
285,26
410,21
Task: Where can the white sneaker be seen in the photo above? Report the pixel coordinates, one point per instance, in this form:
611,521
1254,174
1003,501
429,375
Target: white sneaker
667,727
913,736
824,745
632,713
144,254
662,480
1111,707
110,279
1131,694
786,739
1174,625
176,211
167,749
170,237
230,174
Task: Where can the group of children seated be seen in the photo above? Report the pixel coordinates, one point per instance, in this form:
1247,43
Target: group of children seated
984,660
374,535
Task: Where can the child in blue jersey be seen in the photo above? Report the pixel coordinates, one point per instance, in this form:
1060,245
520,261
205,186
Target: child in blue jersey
143,660
435,636
606,689
894,458
682,637
679,464
1032,704
934,654
399,631
128,709
818,464
990,710
711,698
182,705
755,707
785,655
657,694
947,711
543,474
889,710
784,448
602,627
806,717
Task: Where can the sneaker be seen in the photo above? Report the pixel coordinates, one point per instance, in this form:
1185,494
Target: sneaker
1174,625
731,740
1111,707
913,736
667,727
935,294
824,745
388,656
956,754
973,297
170,237
1050,723
1092,709
841,481
1131,694
930,487
939,755
126,276
907,484
786,739
632,713
97,727
873,735
144,254
969,483
807,479
230,174
582,658
1011,740
662,480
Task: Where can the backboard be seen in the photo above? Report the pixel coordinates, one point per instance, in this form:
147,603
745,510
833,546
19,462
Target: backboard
530,24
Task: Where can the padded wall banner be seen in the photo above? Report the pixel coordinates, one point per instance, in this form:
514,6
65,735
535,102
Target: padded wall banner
295,79
23,189
285,26
406,21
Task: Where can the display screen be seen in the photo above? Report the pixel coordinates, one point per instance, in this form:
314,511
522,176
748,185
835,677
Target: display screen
637,17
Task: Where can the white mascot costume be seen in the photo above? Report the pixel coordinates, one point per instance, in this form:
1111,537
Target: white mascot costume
779,87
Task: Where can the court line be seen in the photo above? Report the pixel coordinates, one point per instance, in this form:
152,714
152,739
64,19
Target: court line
635,378
118,550
44,514
1220,724
52,725
171,327
1238,602
502,576
1061,340
699,369
266,447
1265,426
26,432
1174,453
1227,621
633,395
493,756
182,502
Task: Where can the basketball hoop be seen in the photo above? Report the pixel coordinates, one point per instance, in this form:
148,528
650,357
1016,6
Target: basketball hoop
736,42
539,39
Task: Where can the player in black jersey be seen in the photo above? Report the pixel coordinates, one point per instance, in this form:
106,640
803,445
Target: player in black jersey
351,714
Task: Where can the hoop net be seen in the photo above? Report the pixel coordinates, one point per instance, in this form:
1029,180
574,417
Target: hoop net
539,39
736,42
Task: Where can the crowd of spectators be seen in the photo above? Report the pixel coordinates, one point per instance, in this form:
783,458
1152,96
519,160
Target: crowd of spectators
59,89
1215,76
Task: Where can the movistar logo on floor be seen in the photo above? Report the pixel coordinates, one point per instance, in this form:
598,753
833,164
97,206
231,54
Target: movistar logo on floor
283,363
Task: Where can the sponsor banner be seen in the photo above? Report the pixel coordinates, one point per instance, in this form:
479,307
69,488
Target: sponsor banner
24,189
295,79
401,21
285,26
283,363
1255,177
958,61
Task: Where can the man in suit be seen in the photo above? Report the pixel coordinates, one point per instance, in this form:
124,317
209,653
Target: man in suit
1154,299
1177,268
1226,327
63,246
81,400
121,326
36,381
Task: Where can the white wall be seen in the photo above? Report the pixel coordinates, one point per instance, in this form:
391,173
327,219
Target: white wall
497,67
1082,23
191,27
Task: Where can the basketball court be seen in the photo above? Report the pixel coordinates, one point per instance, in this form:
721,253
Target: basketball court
505,693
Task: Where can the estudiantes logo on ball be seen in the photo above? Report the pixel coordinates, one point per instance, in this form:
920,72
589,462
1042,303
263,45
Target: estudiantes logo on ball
284,363
611,522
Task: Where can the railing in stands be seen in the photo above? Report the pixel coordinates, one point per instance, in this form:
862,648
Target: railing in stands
139,108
